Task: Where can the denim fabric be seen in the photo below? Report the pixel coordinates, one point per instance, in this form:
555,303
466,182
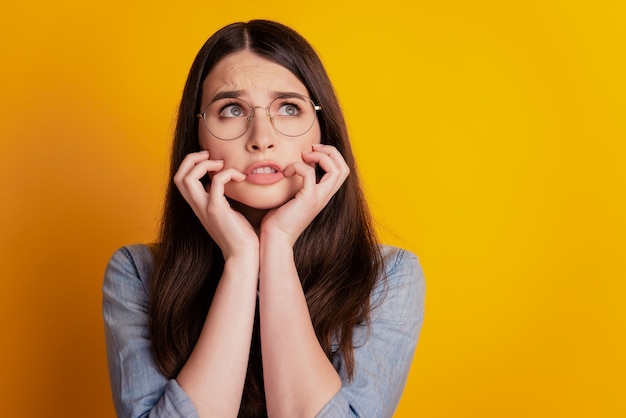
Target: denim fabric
383,351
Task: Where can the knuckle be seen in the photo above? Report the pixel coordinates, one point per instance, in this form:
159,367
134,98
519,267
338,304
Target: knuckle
219,177
179,181
211,211
187,181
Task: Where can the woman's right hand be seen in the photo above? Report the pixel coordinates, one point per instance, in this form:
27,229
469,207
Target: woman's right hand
229,229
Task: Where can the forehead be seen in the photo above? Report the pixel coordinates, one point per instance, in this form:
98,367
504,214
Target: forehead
251,74
248,72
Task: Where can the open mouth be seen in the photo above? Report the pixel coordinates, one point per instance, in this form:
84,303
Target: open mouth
264,170
264,174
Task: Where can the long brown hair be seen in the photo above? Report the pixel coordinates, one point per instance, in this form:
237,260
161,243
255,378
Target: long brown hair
337,256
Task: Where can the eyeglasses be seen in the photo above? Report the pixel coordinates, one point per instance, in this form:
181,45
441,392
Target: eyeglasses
290,114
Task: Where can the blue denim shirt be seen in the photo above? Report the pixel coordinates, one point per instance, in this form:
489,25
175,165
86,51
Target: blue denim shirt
383,352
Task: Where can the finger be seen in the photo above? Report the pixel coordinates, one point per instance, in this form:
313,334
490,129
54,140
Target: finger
189,183
198,171
329,150
333,154
334,166
190,161
189,164
324,190
220,179
303,170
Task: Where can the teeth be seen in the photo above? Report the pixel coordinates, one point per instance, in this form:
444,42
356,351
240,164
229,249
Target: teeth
264,170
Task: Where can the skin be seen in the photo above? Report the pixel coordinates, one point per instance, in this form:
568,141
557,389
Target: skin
256,234
258,80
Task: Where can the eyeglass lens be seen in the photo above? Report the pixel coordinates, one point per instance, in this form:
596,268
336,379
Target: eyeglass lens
230,118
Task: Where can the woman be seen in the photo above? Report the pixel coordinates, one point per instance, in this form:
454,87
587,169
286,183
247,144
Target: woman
268,293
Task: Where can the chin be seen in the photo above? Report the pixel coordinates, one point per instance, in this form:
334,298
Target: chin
259,201
265,206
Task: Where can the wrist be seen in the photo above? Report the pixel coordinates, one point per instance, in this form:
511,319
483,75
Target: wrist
240,249
276,239
243,256
243,265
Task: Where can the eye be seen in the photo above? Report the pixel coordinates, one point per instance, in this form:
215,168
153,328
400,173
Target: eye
288,109
232,110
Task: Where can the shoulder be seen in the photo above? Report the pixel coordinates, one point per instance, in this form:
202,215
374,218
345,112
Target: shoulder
130,263
401,266
401,286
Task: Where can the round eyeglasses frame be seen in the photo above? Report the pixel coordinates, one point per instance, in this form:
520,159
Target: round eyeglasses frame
268,114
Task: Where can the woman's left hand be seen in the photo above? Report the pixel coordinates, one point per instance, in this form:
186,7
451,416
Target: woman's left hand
292,218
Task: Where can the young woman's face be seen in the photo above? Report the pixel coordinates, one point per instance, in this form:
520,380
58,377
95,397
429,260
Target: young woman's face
262,152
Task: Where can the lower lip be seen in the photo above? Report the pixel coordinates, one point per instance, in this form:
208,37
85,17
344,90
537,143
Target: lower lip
264,178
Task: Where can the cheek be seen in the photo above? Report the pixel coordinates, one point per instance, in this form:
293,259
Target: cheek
312,137
316,134
216,148
203,137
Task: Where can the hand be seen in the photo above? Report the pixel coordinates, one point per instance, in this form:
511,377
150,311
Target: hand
292,218
229,229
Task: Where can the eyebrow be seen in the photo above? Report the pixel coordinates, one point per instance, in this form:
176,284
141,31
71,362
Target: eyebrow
236,94
233,94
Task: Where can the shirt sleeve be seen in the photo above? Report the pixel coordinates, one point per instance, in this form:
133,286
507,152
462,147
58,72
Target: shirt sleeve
138,387
384,350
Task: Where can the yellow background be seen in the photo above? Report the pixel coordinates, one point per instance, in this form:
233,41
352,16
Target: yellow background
490,135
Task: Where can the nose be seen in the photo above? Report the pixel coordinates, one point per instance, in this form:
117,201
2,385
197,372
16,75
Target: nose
261,134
